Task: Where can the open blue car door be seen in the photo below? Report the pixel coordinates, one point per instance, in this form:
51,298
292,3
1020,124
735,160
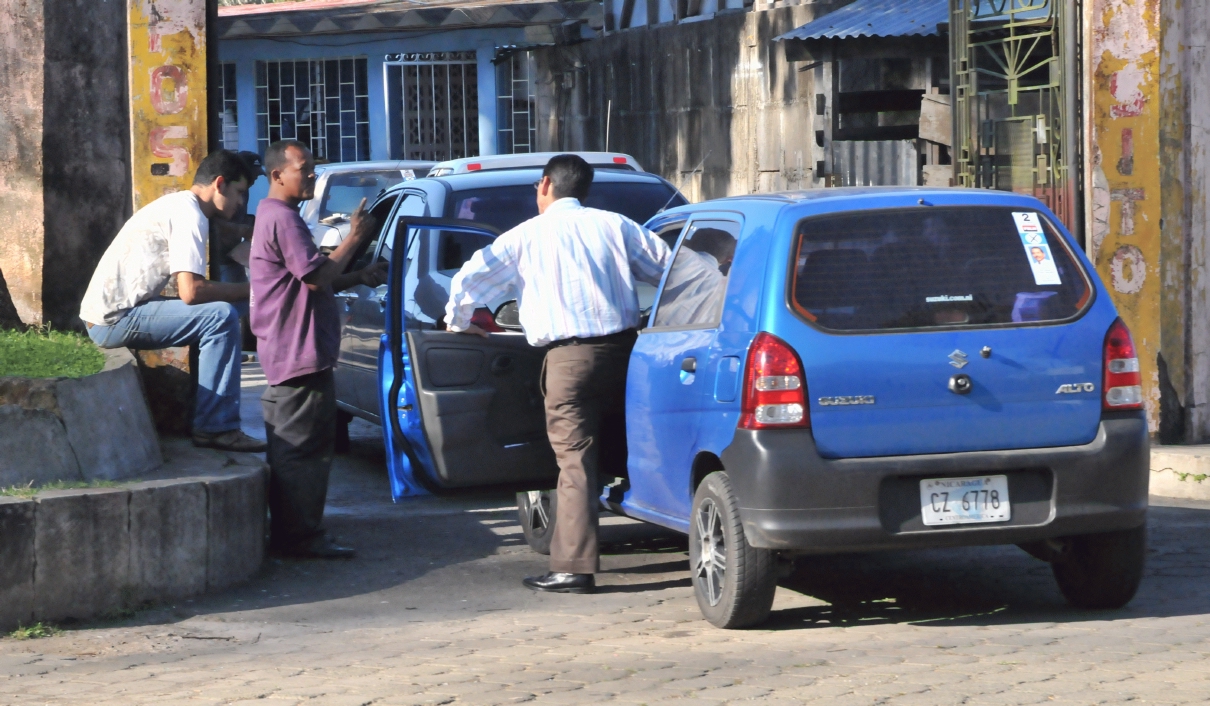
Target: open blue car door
459,411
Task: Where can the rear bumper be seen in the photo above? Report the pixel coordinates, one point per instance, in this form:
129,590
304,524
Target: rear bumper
792,499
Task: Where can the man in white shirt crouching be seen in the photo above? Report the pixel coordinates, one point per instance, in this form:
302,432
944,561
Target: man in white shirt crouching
164,242
572,270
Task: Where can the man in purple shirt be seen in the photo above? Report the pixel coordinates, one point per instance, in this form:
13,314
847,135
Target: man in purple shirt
297,329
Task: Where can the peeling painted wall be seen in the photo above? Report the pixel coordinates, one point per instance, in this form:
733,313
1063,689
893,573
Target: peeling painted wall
167,96
1148,128
1124,191
716,93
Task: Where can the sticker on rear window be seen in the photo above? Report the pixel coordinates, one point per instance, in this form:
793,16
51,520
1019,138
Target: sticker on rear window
1033,239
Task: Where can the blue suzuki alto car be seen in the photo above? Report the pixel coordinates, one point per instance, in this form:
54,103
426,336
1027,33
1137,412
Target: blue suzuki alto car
828,371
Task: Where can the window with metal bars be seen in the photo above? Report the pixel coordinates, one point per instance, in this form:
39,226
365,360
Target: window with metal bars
516,86
433,105
323,103
230,113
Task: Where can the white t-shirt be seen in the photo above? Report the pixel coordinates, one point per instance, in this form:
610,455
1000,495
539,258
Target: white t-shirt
166,236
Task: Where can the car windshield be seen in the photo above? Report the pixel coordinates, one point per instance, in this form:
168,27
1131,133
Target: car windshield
346,190
934,267
505,207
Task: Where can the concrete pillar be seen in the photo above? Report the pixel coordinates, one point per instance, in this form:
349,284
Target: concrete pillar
1148,158
64,149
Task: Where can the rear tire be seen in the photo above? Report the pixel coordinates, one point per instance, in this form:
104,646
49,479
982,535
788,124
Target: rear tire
1102,571
734,583
536,512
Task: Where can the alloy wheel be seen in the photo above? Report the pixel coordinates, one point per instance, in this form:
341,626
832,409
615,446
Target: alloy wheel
539,510
710,569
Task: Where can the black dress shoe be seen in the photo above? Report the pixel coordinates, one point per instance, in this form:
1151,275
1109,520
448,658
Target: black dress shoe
322,547
561,583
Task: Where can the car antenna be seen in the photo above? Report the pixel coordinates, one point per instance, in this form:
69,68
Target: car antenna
687,178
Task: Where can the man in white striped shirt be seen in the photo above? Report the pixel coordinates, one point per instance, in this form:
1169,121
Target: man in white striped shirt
572,271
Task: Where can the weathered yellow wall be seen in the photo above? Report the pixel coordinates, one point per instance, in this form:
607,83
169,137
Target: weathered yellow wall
168,95
1124,169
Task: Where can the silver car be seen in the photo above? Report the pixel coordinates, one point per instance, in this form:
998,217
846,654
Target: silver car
339,187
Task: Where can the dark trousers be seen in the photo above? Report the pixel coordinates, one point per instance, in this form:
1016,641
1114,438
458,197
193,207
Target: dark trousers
583,384
300,424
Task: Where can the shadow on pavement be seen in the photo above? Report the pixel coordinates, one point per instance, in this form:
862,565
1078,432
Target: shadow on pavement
990,585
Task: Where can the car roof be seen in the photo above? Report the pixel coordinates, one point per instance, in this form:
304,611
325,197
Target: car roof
514,177
859,197
376,165
615,160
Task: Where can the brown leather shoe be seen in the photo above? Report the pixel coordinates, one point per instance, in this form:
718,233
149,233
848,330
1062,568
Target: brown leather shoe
234,440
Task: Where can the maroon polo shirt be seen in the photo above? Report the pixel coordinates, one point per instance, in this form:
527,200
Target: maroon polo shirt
297,330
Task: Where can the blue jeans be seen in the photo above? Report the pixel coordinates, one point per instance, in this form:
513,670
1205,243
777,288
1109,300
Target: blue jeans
234,272
213,328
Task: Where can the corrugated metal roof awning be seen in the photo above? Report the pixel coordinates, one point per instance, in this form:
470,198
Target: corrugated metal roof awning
876,18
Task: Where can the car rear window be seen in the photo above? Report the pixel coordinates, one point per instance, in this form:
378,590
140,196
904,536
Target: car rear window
934,267
505,207
346,190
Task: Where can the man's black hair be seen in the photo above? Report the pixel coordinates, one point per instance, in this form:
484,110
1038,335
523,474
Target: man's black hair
570,176
275,154
713,241
225,164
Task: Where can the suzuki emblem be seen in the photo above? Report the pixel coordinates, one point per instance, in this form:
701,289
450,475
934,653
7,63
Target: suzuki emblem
958,359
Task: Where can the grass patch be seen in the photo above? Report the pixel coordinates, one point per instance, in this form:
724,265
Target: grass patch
29,491
35,631
43,353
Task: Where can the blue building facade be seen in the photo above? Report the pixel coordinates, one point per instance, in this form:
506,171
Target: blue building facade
378,83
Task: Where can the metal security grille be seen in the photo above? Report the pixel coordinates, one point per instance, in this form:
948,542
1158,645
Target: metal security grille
324,103
1016,85
433,105
516,85
230,113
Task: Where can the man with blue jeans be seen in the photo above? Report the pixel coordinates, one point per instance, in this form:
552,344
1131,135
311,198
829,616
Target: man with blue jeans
165,242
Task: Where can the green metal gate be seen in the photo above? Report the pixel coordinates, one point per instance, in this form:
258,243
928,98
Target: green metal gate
1016,88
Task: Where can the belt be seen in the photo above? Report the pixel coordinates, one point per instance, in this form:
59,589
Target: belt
624,336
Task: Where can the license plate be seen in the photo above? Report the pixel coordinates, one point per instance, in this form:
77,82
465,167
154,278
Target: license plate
956,501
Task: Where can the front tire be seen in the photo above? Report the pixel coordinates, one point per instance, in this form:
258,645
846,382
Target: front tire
536,513
1102,571
733,582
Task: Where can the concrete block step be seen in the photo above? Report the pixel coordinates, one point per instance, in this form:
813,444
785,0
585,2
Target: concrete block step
1181,472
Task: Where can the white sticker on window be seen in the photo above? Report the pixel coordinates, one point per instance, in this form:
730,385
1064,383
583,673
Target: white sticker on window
1033,239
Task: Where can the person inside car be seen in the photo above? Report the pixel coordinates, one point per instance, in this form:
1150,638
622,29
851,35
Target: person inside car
165,242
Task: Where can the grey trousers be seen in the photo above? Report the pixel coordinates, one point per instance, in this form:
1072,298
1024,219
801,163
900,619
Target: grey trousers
300,424
583,383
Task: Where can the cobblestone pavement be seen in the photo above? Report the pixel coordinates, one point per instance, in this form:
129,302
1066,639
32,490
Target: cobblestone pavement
433,612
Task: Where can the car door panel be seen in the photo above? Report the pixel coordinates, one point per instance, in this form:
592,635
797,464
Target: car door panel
482,408
467,411
677,371
359,306
366,311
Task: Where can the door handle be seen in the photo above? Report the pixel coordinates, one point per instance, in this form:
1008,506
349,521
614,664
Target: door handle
689,365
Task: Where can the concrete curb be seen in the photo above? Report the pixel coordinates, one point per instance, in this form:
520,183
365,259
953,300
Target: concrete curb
81,554
1181,472
96,427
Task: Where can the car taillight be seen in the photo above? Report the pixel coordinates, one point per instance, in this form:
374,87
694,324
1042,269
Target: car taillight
1123,386
619,160
474,167
484,320
775,389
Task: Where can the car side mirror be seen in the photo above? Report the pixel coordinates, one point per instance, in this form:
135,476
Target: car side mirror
508,316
